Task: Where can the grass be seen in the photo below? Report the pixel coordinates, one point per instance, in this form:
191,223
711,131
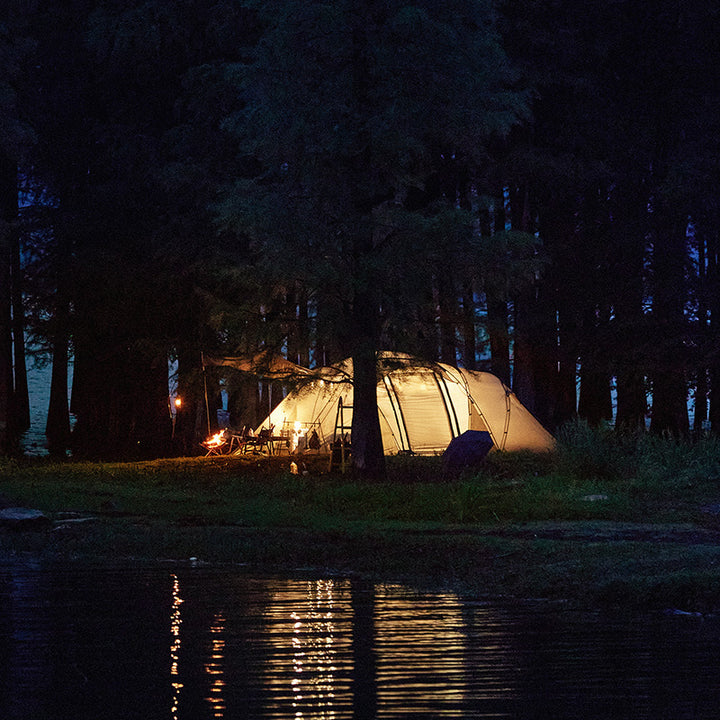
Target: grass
605,519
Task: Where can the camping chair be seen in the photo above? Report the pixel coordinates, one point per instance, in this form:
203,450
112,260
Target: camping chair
237,440
263,440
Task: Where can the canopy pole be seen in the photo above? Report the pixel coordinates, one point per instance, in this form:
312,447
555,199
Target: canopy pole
207,404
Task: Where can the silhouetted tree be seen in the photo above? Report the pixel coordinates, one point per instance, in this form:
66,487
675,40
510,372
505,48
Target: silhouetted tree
348,109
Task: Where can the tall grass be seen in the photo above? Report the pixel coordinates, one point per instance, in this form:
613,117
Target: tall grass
583,451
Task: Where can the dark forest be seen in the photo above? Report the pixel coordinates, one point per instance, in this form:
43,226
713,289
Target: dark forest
528,188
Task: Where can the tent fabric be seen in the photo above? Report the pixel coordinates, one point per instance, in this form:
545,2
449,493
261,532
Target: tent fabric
422,407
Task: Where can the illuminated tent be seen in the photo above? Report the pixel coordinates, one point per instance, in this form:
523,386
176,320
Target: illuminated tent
422,407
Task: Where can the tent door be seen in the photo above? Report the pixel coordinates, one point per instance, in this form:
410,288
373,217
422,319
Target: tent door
477,422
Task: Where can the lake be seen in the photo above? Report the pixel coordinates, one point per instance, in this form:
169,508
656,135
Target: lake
189,643
34,441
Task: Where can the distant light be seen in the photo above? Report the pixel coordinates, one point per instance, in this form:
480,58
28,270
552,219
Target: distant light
178,402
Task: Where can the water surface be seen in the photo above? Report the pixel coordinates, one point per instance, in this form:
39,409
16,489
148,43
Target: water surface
194,643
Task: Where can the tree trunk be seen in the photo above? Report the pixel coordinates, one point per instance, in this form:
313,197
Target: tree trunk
627,332
303,331
21,398
713,252
368,459
298,332
469,333
527,333
703,339
559,326
190,424
701,400
122,391
446,313
595,399
566,398
669,404
7,425
8,211
57,428
498,332
523,376
595,402
630,360
128,416
669,383
546,360
497,325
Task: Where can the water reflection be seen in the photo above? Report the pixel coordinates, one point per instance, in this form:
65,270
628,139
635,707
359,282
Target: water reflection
191,644
421,649
214,666
175,623
308,664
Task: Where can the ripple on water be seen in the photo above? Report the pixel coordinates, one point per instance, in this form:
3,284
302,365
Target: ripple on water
193,643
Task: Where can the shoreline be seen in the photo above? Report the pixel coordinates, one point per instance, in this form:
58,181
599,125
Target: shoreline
618,566
523,528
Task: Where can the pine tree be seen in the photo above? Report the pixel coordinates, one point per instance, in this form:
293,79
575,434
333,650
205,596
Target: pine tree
350,107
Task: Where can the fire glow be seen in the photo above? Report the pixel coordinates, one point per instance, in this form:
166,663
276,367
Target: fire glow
216,440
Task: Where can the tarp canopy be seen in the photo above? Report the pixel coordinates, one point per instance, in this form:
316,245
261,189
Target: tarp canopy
422,407
264,364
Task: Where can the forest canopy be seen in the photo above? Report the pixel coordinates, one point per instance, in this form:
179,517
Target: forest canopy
528,188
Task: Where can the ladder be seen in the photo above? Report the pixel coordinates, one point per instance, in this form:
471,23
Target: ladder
340,450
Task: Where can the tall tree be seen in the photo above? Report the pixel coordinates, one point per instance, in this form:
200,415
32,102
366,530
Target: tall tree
129,205
8,199
15,138
620,116
349,107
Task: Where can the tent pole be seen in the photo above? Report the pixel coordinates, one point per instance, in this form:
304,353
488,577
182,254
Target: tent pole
447,404
399,420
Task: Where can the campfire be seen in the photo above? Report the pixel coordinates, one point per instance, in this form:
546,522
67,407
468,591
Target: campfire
215,442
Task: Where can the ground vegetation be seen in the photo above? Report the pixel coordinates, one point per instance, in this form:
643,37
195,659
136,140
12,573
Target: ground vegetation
630,521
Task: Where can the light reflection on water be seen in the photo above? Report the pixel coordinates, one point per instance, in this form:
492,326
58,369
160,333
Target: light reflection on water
190,644
214,667
175,642
308,626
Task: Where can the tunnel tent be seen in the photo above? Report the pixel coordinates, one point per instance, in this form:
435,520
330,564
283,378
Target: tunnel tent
422,407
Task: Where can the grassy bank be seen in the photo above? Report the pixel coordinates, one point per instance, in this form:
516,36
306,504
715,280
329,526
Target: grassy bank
629,521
